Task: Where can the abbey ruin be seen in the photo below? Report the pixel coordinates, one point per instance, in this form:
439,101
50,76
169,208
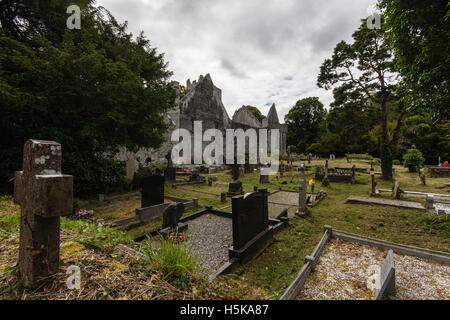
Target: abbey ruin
201,100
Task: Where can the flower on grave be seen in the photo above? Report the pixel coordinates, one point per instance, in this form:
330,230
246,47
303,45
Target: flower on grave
311,182
243,278
185,170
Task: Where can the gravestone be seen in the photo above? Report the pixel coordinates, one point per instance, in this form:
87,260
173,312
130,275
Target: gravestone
241,171
251,231
396,191
172,216
247,168
44,194
372,178
302,201
347,157
385,282
309,158
152,192
196,177
170,172
281,169
235,186
429,204
223,197
422,177
263,178
332,157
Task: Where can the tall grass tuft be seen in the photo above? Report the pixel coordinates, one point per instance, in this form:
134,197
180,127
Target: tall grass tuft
173,260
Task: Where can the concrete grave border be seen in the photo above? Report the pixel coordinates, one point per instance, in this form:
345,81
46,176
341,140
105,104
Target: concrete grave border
275,226
310,261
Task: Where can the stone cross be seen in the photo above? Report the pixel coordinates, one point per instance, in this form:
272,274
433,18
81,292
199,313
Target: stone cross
44,194
372,177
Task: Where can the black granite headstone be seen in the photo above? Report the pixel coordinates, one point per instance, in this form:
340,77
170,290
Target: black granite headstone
172,215
250,217
152,191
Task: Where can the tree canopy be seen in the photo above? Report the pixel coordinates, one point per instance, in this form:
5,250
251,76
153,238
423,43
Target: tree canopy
93,90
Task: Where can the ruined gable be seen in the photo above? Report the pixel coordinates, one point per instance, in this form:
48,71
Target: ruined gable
246,117
203,102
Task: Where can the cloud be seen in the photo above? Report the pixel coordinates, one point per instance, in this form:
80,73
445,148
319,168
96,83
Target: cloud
251,48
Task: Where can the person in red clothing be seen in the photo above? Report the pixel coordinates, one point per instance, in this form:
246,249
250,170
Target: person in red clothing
446,164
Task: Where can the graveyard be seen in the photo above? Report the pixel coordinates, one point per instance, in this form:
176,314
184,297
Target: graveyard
113,257
224,150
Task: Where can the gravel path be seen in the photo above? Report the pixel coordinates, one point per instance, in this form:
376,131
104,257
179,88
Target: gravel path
210,237
346,271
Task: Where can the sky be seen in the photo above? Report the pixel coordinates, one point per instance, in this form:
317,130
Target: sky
258,52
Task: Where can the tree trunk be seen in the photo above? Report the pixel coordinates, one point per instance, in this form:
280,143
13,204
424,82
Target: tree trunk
385,152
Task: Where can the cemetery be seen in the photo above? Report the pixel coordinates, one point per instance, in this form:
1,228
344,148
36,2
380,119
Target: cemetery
123,179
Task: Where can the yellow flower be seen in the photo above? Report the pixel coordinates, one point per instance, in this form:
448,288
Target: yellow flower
311,182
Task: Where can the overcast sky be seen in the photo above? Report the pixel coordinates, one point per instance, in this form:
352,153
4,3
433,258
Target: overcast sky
258,52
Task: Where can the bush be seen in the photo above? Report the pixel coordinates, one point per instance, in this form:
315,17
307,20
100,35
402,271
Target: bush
396,162
413,158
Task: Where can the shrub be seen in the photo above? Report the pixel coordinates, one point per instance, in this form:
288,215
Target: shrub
413,158
396,162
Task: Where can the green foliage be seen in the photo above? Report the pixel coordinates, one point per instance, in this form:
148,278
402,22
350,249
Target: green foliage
92,90
364,71
305,123
418,33
396,162
95,235
429,136
413,158
293,148
174,260
255,112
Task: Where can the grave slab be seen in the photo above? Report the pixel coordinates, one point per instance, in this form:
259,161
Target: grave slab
387,202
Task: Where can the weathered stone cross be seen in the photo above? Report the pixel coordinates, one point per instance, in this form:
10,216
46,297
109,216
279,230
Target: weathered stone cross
44,195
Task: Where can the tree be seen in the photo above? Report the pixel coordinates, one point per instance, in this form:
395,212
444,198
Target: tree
93,90
418,33
305,123
365,67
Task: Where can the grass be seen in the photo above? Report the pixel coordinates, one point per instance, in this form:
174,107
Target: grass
268,275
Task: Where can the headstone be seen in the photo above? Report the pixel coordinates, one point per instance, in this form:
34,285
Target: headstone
210,181
170,172
302,194
223,197
247,168
332,157
429,202
44,195
396,191
439,162
152,192
235,186
422,176
281,169
263,179
251,231
309,158
172,216
241,170
195,176
385,282
347,157
372,178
